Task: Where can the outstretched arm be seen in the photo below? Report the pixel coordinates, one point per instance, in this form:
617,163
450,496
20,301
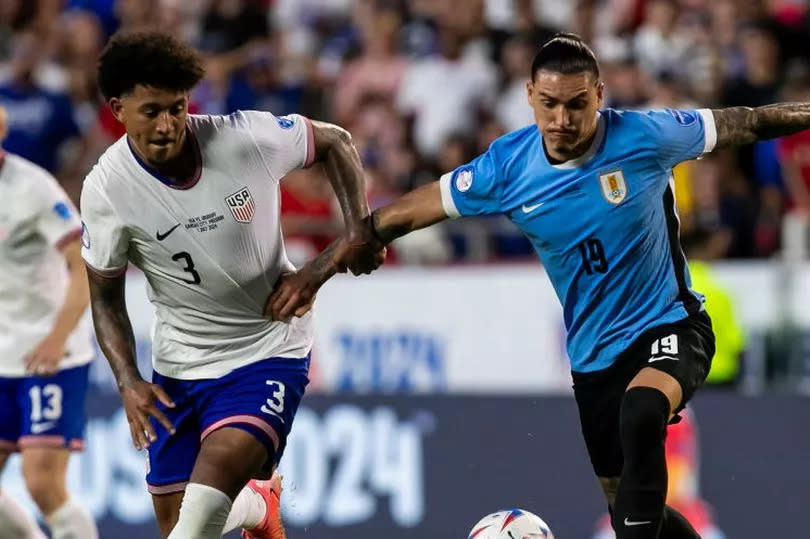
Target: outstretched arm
746,125
420,208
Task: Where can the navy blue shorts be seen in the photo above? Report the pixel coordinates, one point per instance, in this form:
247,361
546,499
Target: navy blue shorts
44,411
260,398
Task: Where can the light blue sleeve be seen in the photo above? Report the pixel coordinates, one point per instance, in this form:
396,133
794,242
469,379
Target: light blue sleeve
474,188
681,135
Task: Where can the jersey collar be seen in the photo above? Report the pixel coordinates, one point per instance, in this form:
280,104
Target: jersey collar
187,183
585,157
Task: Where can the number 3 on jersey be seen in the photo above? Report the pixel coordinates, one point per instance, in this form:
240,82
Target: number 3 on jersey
275,402
189,267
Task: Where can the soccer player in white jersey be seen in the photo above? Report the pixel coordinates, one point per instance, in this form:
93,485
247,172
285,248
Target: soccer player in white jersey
193,201
45,347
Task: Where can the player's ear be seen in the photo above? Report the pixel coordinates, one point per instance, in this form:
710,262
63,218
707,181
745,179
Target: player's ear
529,91
117,109
600,92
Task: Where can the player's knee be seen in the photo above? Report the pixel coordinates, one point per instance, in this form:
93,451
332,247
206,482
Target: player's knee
644,416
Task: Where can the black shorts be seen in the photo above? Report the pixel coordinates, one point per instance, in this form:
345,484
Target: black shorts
683,350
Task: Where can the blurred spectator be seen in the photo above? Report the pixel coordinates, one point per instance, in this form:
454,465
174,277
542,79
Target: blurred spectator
79,44
657,45
136,15
759,81
378,72
446,93
41,116
230,24
512,109
723,199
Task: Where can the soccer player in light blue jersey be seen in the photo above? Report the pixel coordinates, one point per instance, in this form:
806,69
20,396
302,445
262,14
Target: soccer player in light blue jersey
592,190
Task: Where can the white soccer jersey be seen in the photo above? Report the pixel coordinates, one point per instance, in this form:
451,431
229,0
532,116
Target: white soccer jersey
36,219
211,250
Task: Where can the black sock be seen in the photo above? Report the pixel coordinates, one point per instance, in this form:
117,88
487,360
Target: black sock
675,526
640,499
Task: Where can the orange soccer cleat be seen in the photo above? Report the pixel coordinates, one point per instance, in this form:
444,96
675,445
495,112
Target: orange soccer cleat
270,527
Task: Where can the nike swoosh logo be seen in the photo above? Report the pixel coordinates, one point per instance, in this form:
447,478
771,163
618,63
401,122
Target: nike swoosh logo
628,522
529,209
38,428
161,237
659,358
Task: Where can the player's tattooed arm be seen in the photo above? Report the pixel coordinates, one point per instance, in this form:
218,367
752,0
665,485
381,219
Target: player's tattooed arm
335,149
745,125
113,327
117,341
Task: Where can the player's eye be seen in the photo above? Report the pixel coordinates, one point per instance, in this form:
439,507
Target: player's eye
178,109
150,113
577,105
548,104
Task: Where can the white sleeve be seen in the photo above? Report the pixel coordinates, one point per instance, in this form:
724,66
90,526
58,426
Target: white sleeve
56,217
286,143
105,241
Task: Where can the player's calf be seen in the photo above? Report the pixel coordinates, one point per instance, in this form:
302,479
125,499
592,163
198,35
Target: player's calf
44,470
642,490
202,514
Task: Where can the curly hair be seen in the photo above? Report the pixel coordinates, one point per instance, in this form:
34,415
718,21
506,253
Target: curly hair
147,58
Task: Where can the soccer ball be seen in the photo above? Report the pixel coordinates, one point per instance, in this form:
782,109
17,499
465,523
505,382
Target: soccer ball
511,524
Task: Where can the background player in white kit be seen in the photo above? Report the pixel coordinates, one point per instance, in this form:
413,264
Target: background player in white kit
193,201
45,347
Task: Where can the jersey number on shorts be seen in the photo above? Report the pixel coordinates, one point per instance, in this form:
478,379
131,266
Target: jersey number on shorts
593,256
275,403
664,348
51,394
189,268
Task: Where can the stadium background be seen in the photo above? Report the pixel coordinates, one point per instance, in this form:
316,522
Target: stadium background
440,390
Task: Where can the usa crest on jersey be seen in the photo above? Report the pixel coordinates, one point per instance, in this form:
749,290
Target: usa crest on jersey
242,205
614,188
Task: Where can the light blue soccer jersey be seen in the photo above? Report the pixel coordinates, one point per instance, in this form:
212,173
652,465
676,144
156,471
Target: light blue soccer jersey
604,225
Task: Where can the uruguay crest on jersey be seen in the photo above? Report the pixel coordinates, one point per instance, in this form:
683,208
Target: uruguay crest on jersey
613,186
242,205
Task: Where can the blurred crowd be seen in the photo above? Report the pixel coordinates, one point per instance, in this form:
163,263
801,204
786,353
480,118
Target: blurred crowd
424,86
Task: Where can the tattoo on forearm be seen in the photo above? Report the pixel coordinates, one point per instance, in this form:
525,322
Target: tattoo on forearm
113,328
746,125
344,169
322,266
